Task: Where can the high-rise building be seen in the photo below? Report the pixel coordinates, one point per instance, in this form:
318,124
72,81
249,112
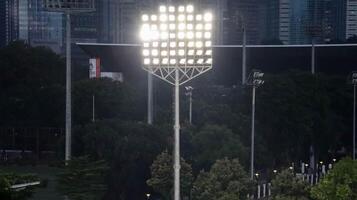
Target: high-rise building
302,21
351,18
8,21
26,20
271,20
246,13
333,20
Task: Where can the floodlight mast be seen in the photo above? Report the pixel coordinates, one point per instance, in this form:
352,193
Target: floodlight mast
69,7
177,47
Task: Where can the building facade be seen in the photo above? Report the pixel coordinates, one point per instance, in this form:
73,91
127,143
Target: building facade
351,18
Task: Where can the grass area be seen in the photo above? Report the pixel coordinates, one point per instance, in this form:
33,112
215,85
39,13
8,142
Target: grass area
44,172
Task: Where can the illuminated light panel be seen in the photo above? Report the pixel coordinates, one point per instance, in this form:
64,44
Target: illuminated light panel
146,52
199,26
208,35
164,44
163,53
145,18
171,18
153,17
199,35
208,43
199,44
164,35
156,61
172,53
172,44
147,61
181,26
163,27
171,9
177,35
190,35
198,17
189,8
181,35
208,17
189,17
172,61
181,44
162,8
163,18
154,27
165,61
208,27
181,18
155,52
181,9
181,52
208,52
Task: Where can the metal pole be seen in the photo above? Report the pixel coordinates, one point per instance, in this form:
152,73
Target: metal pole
177,139
93,108
354,122
190,114
244,56
252,140
68,89
313,57
150,99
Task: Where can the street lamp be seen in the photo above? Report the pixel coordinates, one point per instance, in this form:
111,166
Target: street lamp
354,83
69,7
148,196
255,80
189,90
177,47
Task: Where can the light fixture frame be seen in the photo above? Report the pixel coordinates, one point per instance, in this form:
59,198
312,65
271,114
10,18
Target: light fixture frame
177,25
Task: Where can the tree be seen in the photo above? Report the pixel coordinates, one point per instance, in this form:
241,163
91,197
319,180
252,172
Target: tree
340,182
213,142
226,180
286,186
83,179
162,176
9,179
32,86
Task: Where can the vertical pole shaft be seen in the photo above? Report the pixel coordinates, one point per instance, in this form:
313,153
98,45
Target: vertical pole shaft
244,56
93,108
190,114
68,89
252,139
177,139
354,122
313,57
150,99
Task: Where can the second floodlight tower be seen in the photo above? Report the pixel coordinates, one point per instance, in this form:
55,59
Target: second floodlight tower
177,47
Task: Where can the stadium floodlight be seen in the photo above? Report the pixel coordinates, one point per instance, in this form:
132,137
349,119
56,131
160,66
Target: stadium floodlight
255,79
69,7
184,40
354,83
